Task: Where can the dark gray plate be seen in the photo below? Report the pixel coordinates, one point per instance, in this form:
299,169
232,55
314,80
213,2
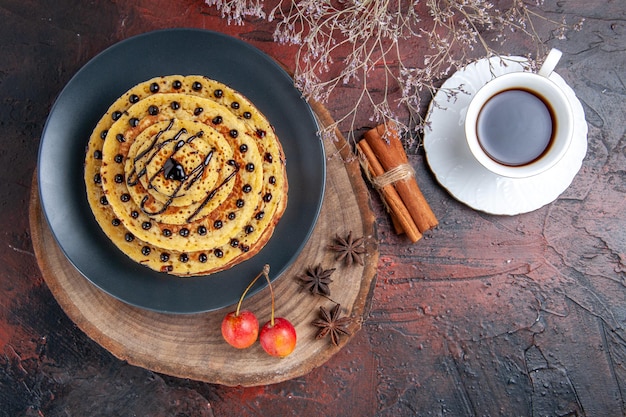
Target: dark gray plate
86,98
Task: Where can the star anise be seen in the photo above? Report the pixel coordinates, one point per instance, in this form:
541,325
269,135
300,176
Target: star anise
317,280
349,249
331,323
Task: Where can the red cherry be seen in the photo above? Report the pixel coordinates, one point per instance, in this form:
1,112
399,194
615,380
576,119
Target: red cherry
279,338
241,329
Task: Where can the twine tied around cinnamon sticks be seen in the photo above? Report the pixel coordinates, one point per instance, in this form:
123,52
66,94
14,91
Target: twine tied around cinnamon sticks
399,173
387,167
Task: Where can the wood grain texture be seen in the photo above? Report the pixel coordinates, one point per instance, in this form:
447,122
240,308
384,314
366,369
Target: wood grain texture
191,345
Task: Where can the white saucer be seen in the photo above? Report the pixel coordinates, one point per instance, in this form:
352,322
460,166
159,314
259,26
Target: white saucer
456,170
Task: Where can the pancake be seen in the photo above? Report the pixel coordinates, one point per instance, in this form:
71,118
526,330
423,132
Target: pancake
185,175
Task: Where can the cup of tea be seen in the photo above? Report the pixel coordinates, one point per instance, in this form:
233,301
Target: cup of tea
520,124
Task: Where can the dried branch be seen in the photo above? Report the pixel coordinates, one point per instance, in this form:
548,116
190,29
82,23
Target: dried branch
359,42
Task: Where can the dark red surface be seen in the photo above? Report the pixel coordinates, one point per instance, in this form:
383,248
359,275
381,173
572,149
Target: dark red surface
485,316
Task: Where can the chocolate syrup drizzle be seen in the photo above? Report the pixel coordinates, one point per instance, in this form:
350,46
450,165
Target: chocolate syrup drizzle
173,170
215,190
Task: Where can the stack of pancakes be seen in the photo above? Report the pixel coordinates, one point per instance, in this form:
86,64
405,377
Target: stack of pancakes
185,175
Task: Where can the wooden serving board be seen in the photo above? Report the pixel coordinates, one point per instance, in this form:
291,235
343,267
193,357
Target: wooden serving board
191,346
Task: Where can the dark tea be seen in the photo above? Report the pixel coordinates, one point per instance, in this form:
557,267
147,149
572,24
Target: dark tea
515,127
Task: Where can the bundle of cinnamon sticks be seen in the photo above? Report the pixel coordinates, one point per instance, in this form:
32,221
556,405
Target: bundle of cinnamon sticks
388,169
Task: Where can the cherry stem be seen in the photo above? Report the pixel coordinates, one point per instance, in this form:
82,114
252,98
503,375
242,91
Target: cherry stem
248,288
266,272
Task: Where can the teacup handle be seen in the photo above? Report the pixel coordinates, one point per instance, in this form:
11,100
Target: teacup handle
550,62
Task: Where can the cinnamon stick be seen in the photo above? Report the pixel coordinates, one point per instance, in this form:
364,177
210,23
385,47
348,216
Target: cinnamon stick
397,226
386,145
401,216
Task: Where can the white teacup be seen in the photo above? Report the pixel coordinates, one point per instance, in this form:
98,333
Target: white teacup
520,124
